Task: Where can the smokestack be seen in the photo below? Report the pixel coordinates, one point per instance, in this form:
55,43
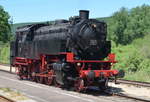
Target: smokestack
84,14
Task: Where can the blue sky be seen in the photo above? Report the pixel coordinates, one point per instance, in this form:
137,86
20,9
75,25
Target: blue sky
46,10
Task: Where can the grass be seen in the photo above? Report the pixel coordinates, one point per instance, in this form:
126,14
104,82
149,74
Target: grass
138,76
12,94
134,59
5,89
5,53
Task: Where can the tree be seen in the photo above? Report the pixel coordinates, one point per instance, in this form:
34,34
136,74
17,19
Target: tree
127,25
118,25
5,29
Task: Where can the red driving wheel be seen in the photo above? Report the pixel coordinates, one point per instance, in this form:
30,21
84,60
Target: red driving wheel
39,79
80,85
49,80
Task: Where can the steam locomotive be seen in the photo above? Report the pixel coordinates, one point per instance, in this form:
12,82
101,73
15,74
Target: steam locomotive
66,53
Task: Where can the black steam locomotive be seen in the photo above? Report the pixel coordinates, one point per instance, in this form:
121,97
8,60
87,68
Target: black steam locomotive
68,53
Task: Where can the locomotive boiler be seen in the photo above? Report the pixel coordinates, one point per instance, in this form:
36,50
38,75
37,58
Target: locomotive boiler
66,53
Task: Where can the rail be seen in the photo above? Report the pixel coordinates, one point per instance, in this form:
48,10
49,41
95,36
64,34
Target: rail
5,99
130,82
126,96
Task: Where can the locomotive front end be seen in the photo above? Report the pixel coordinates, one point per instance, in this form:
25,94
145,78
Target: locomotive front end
88,38
91,52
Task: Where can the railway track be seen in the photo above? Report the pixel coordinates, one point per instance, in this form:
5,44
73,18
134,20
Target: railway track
130,82
111,92
126,96
136,83
4,99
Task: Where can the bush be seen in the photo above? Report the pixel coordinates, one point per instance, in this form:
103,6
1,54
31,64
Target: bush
134,59
4,53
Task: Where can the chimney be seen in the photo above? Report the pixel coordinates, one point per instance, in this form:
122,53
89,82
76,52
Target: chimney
84,14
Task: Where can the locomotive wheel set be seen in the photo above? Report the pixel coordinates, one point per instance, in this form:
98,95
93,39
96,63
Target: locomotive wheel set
70,53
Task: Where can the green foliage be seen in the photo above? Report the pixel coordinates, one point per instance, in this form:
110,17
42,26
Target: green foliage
134,59
120,20
127,25
4,25
5,35
4,52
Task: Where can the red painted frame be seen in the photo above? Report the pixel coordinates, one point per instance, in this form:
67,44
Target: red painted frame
83,73
29,63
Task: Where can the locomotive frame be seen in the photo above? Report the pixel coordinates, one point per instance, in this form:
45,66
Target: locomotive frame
49,76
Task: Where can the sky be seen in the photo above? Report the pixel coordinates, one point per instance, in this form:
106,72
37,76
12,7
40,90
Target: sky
47,10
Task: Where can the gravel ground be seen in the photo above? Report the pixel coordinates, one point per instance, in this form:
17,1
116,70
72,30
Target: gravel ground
132,90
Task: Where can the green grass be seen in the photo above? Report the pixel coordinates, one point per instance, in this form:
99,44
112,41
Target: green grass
134,59
5,53
138,76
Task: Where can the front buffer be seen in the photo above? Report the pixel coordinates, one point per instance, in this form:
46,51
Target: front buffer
93,72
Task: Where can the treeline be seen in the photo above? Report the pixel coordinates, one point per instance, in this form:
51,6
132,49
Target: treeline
126,25
5,26
5,35
130,30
